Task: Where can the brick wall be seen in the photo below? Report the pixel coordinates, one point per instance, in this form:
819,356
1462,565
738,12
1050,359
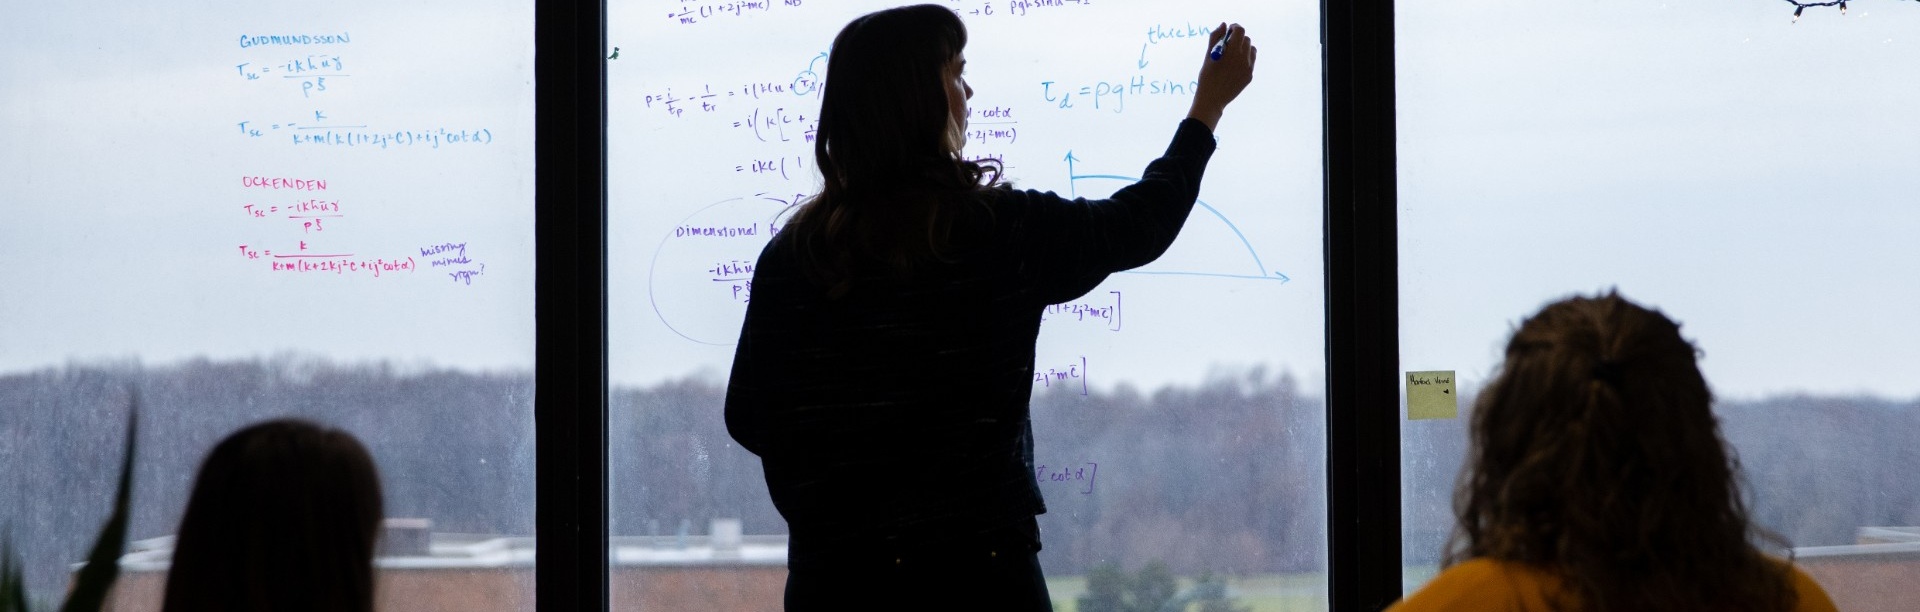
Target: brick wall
1868,584
664,589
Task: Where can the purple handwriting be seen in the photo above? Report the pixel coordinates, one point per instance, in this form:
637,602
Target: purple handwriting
773,125
454,255
737,276
697,11
995,135
789,167
467,275
993,125
731,270
696,231
706,100
995,112
1083,473
1103,313
1063,376
1018,8
459,249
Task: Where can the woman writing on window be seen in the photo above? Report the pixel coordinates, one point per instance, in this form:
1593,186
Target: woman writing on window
1598,481
886,362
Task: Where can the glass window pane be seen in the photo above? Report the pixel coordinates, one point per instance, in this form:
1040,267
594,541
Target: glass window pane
1176,409
1746,173
239,212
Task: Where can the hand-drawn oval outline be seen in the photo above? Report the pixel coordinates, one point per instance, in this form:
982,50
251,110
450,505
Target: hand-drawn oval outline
653,265
813,84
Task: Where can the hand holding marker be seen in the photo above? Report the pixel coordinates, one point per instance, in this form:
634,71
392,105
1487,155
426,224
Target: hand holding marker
1226,71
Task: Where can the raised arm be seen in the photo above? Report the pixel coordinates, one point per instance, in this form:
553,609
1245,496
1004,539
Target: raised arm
1067,246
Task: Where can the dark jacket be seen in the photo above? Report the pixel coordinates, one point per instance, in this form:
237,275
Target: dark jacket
898,413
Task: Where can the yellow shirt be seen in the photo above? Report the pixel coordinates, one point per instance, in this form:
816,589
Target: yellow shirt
1488,585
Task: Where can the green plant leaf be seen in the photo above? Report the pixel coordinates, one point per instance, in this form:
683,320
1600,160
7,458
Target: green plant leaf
103,564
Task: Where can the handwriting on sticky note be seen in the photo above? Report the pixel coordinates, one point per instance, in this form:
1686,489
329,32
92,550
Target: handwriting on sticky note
1430,395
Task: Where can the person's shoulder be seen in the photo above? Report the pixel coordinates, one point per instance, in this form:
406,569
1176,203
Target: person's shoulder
1478,584
1812,598
1008,194
779,246
1021,207
1007,207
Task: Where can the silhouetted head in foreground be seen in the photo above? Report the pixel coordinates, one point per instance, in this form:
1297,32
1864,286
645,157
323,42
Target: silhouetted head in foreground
283,517
1596,457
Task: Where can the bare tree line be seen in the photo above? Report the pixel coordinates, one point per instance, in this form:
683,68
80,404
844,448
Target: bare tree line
1225,476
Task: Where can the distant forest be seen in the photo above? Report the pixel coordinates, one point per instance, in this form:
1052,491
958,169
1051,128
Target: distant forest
1225,475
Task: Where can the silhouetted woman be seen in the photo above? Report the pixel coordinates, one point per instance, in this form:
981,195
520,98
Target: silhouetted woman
283,517
886,362
1598,481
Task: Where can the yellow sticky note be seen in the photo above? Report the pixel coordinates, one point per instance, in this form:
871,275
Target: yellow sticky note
1430,395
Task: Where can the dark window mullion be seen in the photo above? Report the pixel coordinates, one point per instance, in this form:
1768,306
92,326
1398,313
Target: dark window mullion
1363,435
570,305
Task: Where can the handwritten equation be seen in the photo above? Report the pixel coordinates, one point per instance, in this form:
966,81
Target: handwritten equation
691,12
735,277
706,100
782,123
992,126
789,167
431,138
1112,95
318,74
696,11
1106,312
993,135
1018,8
305,260
308,221
1065,375
310,214
308,73
320,132
1087,472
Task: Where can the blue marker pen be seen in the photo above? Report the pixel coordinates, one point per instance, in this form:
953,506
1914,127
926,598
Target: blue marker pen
1220,48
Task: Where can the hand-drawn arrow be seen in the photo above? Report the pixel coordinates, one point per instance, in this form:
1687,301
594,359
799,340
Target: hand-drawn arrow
1071,192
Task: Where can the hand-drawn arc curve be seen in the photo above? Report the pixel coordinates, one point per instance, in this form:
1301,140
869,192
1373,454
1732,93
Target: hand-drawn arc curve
1260,268
653,276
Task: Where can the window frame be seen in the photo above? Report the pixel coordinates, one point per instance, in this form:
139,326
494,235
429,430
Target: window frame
1363,311
570,307
1359,238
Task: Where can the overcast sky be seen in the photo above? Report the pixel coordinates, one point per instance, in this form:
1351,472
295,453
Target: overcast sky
1751,176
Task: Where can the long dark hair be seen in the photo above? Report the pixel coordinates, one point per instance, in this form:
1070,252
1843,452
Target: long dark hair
887,149
283,517
1596,457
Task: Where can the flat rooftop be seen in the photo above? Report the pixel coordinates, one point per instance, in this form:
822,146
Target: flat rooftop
476,551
